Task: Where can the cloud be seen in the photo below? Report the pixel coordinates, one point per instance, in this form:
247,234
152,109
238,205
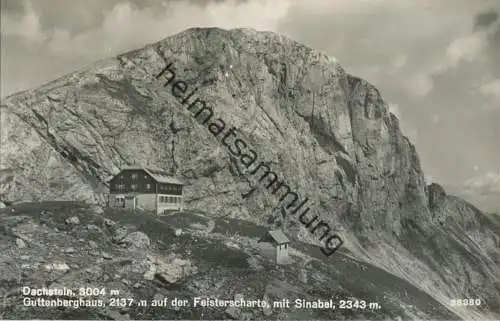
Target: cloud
464,49
490,26
126,26
485,19
45,39
436,118
482,190
429,179
487,183
492,89
485,189
420,84
77,16
394,108
25,25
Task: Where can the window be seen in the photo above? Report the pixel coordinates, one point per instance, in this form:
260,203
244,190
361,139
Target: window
120,201
120,186
148,186
133,186
134,176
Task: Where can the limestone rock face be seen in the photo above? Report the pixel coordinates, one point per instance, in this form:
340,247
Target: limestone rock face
436,194
328,134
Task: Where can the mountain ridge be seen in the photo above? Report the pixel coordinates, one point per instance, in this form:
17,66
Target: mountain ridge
330,133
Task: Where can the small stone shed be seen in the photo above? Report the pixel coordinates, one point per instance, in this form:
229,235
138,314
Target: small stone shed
280,242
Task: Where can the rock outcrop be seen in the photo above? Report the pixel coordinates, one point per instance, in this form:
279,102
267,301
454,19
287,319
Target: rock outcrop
328,134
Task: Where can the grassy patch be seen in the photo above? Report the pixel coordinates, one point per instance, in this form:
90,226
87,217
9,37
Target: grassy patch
185,219
243,228
215,252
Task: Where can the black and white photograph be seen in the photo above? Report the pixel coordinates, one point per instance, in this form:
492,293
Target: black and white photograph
250,160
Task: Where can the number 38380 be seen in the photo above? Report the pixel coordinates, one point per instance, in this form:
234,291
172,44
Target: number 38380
465,302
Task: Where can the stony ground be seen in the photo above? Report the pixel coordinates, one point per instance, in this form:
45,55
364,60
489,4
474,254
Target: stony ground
182,255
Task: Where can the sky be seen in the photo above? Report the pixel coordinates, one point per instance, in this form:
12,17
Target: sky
436,62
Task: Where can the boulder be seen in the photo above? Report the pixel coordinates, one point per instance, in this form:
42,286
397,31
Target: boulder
233,312
92,227
96,209
119,234
136,240
69,250
73,220
109,223
149,275
106,255
173,271
267,309
93,244
20,243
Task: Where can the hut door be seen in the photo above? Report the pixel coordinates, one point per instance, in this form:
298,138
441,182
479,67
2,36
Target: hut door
130,202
